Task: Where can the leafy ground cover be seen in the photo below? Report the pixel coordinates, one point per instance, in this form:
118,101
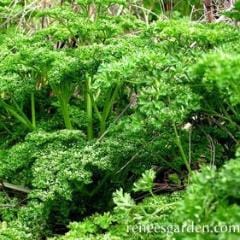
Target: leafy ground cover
114,116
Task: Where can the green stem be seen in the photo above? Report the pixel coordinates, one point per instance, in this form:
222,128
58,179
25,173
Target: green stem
63,94
33,110
18,114
107,109
102,126
99,116
179,144
110,102
89,109
65,112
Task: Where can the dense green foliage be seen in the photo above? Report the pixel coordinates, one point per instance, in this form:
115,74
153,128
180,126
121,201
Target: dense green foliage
217,191
107,98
